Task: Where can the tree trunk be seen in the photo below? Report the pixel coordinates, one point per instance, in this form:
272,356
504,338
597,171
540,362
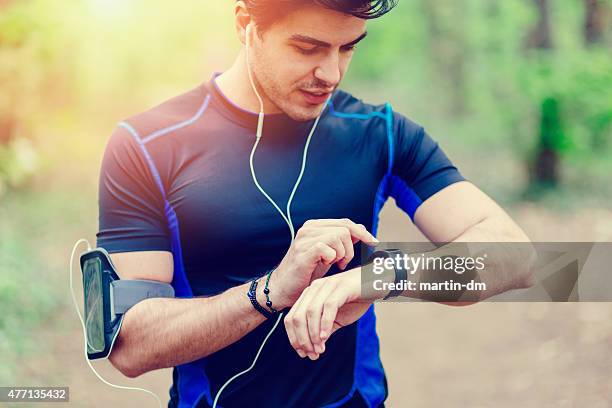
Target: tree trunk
545,169
541,36
594,21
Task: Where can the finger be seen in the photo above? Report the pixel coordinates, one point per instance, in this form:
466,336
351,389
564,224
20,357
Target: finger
333,239
349,252
330,311
314,310
315,353
321,252
339,239
358,231
300,326
289,328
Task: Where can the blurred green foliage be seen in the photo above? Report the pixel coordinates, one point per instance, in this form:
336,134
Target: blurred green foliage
467,70
471,69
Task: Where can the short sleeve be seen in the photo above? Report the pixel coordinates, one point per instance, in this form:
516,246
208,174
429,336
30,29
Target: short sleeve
420,167
131,206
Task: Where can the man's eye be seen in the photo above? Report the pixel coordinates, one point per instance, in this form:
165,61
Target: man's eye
349,49
306,51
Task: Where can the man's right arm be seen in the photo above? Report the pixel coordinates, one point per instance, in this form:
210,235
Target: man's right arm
161,332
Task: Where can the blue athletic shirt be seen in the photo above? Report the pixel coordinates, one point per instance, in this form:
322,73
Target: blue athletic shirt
176,178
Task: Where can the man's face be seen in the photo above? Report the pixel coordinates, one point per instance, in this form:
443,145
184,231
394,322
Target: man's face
304,54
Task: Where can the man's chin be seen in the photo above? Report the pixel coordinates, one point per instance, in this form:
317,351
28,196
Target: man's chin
306,113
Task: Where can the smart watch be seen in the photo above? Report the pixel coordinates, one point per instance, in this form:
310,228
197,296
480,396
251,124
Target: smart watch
401,274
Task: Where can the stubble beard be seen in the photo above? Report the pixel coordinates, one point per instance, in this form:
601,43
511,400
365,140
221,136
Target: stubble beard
274,94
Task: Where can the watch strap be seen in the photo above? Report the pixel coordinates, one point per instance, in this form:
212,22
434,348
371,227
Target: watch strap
401,274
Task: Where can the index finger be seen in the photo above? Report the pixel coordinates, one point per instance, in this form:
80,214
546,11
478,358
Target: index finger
358,231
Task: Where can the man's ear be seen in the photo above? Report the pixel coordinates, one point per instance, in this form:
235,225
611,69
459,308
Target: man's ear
242,20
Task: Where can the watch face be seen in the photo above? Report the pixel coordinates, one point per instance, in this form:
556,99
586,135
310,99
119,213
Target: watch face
383,253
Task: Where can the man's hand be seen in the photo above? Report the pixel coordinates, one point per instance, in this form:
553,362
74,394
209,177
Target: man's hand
317,245
325,306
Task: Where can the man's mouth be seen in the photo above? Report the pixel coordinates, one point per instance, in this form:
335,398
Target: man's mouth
315,97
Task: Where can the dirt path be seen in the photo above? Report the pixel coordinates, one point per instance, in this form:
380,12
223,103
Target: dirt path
487,355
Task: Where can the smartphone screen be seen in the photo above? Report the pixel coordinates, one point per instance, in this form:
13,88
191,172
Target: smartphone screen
94,305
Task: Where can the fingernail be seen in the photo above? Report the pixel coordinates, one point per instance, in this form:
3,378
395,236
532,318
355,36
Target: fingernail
323,335
376,240
313,356
301,353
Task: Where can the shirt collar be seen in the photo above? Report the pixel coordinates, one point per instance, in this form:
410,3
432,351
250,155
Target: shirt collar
274,123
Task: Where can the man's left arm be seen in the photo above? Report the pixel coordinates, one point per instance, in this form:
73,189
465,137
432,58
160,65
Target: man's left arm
473,217
445,207
458,213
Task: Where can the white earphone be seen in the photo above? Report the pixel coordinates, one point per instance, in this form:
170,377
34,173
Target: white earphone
286,217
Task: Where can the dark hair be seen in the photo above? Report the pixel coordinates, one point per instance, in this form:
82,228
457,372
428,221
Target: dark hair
265,12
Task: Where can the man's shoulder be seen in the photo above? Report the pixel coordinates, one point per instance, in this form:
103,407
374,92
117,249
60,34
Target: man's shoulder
183,108
346,105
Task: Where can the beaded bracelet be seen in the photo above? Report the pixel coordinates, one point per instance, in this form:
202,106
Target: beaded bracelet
267,292
252,294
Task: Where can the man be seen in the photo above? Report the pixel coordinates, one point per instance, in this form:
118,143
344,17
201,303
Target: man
178,204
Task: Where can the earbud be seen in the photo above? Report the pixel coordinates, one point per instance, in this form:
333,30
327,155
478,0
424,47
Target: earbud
248,34
261,107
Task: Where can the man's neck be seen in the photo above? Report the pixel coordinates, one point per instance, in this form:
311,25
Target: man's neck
236,86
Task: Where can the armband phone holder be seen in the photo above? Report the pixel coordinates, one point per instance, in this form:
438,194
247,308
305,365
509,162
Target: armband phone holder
106,299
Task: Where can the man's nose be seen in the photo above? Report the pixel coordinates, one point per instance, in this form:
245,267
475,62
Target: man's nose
329,70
